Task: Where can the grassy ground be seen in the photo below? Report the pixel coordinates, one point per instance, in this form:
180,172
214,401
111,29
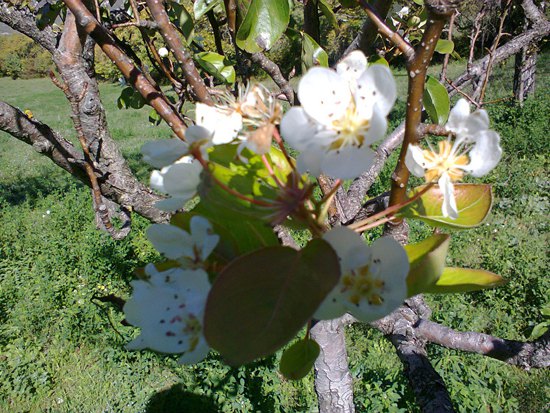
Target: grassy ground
61,349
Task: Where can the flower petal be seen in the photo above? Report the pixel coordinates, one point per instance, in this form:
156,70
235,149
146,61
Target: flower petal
352,66
325,95
392,267
171,204
224,124
170,240
349,247
449,208
196,355
458,115
297,129
485,154
203,236
377,128
162,153
331,307
182,179
415,161
310,161
376,87
347,163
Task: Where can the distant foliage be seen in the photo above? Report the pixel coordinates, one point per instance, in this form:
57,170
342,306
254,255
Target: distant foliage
20,57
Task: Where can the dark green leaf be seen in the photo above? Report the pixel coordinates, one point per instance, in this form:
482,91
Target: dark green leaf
181,19
261,300
312,53
217,65
348,4
154,117
436,101
427,260
130,98
264,23
460,280
473,202
539,330
327,11
297,360
201,7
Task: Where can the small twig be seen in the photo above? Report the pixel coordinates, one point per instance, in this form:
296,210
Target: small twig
274,71
146,24
216,31
97,10
100,209
388,33
472,101
173,40
443,74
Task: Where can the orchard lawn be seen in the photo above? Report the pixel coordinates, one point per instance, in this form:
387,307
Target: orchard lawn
62,347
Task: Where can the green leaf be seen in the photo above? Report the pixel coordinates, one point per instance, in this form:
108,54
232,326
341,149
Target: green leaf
239,233
264,23
259,301
419,2
47,14
201,7
312,53
154,117
545,311
473,202
436,101
217,65
427,260
327,11
444,46
130,98
297,360
181,19
378,60
539,330
460,280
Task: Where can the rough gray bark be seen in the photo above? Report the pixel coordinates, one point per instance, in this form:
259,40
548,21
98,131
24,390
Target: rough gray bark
73,57
526,355
400,328
525,73
333,381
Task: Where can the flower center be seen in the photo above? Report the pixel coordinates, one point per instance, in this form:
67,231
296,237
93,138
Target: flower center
351,129
446,161
363,283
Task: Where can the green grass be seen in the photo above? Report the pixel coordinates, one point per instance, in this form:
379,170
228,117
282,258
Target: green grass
62,350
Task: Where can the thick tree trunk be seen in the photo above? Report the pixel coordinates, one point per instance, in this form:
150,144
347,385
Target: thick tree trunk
524,75
333,381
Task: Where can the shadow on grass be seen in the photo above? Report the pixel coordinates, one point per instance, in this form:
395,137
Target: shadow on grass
30,189
177,400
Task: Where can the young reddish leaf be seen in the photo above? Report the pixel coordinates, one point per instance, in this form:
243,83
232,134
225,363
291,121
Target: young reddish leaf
261,300
297,360
460,280
427,260
473,201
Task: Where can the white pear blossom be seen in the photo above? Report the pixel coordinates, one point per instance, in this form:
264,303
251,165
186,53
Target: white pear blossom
169,309
343,112
179,180
373,280
163,52
476,150
177,244
223,122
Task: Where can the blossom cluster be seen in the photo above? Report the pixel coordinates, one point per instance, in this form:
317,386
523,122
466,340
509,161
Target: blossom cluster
169,305
475,150
247,120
